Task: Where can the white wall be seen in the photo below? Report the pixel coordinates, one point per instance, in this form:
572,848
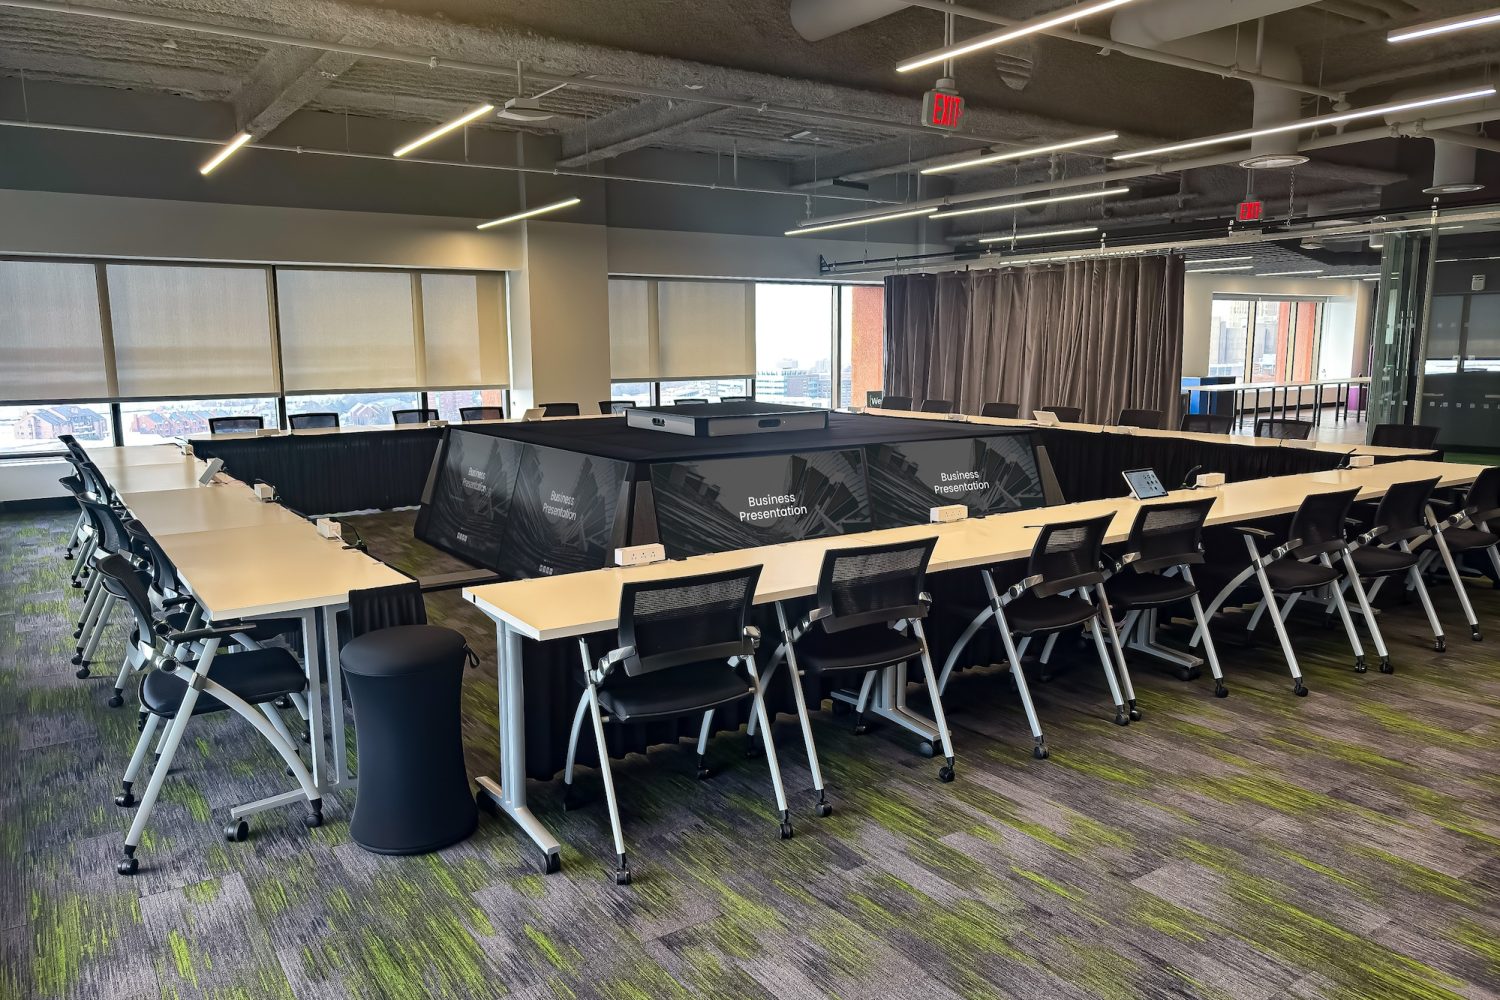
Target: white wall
32,480
672,254
1351,320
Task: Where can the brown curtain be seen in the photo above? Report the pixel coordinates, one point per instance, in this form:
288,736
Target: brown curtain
1102,335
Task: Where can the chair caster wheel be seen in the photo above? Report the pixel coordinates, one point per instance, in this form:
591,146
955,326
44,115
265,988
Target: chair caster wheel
1300,689
1359,665
1475,634
237,833
753,749
945,773
82,672
551,864
1440,645
1135,714
78,633
622,877
1040,752
116,700
786,830
314,819
1220,691
1385,665
703,772
125,799
128,866
1186,673
860,728
824,809
926,749
1121,719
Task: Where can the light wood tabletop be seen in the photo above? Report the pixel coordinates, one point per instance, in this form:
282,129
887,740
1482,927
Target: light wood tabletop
582,603
133,455
204,508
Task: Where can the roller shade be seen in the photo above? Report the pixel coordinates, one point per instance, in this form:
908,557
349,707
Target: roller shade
662,329
191,331
346,330
52,343
464,330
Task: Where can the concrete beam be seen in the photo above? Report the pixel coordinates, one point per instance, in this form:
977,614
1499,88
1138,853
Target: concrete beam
635,126
283,82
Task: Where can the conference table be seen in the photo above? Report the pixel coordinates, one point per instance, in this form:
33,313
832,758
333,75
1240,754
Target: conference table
1343,389
577,605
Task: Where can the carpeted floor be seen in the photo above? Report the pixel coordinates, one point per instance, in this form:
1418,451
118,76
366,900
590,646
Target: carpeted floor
1346,845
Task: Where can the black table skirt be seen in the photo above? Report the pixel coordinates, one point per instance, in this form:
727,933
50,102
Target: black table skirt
333,473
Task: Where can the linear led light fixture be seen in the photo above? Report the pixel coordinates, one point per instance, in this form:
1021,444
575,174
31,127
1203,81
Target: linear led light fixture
1040,234
1288,274
994,38
1217,270
887,217
1462,22
1021,154
1031,202
224,153
1221,260
443,130
1307,123
565,203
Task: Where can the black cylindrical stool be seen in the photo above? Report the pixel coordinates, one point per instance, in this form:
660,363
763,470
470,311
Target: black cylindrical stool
414,795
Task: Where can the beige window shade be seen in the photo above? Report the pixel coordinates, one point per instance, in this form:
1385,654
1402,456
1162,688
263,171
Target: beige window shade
681,329
464,333
632,322
52,343
191,331
346,330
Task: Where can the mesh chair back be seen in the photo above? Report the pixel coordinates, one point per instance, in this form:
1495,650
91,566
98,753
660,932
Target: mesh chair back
1066,555
689,401
1319,522
1007,411
1149,419
895,403
71,443
112,535
418,416
1168,534
615,405
121,579
1401,511
386,607
937,406
163,571
93,481
1065,414
467,413
686,619
1207,423
1404,436
1283,429
874,584
74,484
236,425
311,421
559,409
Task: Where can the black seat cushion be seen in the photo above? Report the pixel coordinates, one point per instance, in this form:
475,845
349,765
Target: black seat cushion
1468,539
676,691
1029,615
1288,576
256,675
1372,561
1146,590
864,648
403,650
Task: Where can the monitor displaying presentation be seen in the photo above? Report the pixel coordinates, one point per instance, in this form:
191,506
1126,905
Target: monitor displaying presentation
985,474
562,516
468,504
721,504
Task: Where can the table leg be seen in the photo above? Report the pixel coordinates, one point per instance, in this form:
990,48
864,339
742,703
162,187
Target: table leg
312,662
1142,639
338,733
509,793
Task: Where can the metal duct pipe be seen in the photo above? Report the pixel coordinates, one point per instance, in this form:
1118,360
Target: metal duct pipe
1452,160
816,20
1162,21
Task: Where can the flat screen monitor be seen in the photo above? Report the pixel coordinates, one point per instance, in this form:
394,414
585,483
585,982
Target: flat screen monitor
562,515
468,498
721,504
986,474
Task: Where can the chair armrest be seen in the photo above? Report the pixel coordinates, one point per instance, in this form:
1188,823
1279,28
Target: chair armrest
613,658
1016,590
1371,535
173,602
815,615
752,638
1254,532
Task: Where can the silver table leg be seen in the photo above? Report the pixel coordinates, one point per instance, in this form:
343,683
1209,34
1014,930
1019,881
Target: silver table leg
312,659
1143,640
338,733
509,793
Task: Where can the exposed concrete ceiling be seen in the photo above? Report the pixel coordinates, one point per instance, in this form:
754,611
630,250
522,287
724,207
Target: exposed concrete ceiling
747,51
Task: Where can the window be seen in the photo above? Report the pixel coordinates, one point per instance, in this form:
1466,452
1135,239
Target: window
153,422
637,392
449,402
1482,338
794,343
1254,339
711,389
861,342
671,329
33,429
356,409
1228,335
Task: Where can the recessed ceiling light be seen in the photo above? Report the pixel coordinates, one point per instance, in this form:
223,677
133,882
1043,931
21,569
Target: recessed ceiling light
528,213
443,130
1021,154
994,38
1463,22
224,153
1031,202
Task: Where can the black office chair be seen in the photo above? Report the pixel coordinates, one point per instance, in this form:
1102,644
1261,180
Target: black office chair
311,421
1145,419
1063,571
895,403
236,425
735,399
247,683
559,409
1405,436
1064,414
467,413
1153,572
1207,423
1007,411
1470,528
419,416
680,646
1384,550
616,405
1299,565
1284,429
868,620
109,538
689,401
937,406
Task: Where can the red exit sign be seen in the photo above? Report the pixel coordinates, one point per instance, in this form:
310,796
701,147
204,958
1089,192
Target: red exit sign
1251,211
942,109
